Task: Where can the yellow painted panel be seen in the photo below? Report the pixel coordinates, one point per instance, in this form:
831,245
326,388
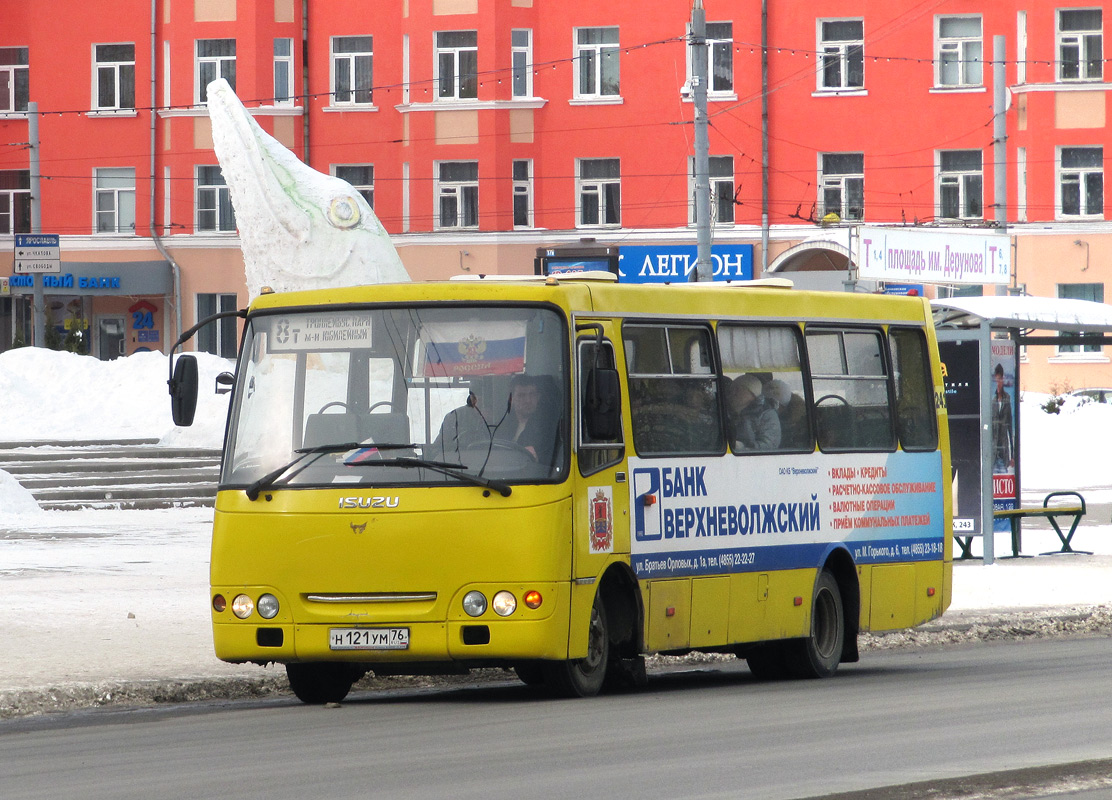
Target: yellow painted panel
710,611
1079,110
748,602
892,602
284,129
457,127
214,10
669,614
283,10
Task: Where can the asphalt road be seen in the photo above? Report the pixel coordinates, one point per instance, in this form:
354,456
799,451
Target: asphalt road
899,717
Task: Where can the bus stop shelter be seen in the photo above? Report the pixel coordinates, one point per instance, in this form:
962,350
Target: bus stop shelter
979,342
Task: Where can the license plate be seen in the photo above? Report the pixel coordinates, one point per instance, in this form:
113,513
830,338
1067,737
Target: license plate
368,638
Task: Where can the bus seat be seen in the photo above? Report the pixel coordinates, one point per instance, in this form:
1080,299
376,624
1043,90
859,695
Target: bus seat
392,428
330,429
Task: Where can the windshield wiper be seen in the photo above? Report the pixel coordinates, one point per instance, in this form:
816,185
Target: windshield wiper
444,468
318,451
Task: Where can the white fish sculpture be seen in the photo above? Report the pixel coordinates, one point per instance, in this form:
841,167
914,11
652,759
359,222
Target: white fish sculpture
299,228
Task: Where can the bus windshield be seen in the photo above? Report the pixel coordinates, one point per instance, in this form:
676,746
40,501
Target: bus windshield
423,395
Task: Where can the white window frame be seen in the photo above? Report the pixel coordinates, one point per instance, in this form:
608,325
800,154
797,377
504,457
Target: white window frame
1082,43
367,190
716,43
966,51
1079,352
969,184
721,187
115,71
114,200
212,198
522,175
1069,176
589,60
521,59
14,197
17,80
840,51
463,83
463,192
352,62
220,338
598,188
283,72
840,182
210,67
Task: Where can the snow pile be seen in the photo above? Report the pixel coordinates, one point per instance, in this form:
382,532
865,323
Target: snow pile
1066,450
14,499
59,396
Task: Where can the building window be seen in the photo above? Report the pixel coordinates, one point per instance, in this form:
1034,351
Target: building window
1081,182
1080,44
523,193
15,201
960,185
457,192
596,51
114,68
843,185
219,338
521,42
14,91
352,70
115,199
216,58
842,54
721,190
457,65
720,58
959,57
214,201
283,72
1081,291
599,187
361,177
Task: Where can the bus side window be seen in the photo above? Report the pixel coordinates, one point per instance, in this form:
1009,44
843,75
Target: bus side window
595,454
849,380
673,390
916,422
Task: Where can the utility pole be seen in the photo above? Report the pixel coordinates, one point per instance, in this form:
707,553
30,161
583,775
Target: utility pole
999,142
704,270
38,299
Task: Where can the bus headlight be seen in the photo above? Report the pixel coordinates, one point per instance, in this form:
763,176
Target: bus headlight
504,604
475,604
242,606
268,606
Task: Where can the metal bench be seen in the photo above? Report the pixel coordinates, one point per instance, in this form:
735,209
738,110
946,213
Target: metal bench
1075,511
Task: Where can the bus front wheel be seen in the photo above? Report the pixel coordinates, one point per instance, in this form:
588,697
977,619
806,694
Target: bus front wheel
818,654
321,683
583,677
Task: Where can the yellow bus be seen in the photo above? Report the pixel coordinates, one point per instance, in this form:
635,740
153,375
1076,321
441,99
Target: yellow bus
562,475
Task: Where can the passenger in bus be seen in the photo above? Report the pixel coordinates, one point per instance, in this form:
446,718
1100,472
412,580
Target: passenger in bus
525,422
754,424
792,411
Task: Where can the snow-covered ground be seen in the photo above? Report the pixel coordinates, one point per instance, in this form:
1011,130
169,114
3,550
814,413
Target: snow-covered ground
96,596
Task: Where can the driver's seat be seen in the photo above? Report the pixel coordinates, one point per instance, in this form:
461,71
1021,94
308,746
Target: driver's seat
330,429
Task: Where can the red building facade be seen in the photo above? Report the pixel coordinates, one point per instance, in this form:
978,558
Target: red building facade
484,131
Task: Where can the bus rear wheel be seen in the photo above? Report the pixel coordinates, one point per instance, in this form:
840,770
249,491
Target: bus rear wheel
320,683
583,677
818,654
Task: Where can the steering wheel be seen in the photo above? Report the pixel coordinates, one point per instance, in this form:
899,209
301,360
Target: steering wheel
388,403
836,397
339,403
511,446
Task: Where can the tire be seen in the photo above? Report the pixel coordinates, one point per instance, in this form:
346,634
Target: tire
583,677
320,683
818,654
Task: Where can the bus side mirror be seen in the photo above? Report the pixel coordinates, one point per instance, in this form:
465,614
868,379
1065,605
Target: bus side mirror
602,404
224,382
183,390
